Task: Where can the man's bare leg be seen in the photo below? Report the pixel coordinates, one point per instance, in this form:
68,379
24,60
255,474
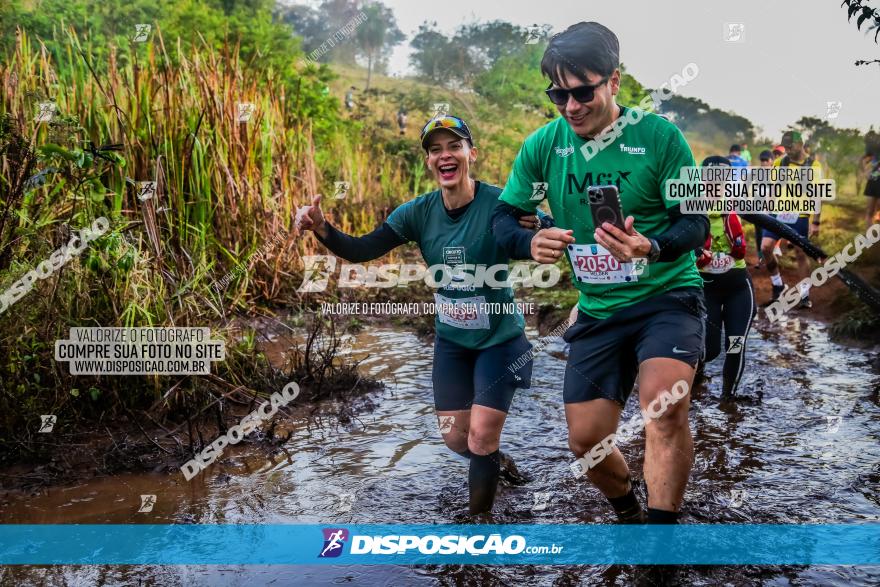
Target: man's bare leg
589,423
669,448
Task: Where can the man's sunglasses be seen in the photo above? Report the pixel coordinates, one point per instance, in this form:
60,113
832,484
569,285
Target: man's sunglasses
582,94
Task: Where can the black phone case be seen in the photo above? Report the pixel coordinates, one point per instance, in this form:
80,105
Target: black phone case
605,206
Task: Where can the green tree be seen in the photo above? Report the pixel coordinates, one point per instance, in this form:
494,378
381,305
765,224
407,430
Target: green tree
307,23
488,42
431,53
378,34
471,53
710,124
263,42
840,148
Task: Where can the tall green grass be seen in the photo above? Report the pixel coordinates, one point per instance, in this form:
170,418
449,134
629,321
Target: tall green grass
225,188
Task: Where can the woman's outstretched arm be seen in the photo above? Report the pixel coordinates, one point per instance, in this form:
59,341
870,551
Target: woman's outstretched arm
357,249
351,248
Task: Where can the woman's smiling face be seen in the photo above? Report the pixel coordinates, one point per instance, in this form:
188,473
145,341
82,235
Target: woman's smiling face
449,158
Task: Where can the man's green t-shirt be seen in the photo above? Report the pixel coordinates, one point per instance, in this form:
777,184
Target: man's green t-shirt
473,318
638,162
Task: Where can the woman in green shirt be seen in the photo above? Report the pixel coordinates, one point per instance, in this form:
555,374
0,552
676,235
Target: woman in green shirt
481,356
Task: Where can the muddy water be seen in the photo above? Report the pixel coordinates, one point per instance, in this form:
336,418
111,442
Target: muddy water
803,446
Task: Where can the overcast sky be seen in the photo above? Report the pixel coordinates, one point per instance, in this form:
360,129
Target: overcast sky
795,55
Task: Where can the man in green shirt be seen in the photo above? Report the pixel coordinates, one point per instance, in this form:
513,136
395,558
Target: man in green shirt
629,322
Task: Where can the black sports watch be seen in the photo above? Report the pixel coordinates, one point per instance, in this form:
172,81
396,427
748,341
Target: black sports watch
654,253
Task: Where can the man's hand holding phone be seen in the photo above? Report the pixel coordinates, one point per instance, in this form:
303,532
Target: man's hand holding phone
549,244
623,245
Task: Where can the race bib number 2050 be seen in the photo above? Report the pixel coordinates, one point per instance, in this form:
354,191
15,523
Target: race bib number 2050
595,264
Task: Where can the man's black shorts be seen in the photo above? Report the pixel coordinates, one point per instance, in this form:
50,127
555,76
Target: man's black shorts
605,354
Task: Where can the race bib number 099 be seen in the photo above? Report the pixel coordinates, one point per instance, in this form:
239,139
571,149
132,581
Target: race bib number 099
595,264
721,263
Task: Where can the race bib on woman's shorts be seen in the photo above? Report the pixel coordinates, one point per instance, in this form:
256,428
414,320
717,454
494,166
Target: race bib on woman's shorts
465,313
595,264
787,217
721,263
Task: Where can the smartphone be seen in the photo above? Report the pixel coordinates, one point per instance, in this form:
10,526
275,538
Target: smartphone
605,206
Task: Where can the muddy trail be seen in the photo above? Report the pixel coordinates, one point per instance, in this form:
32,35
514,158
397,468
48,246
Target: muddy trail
801,445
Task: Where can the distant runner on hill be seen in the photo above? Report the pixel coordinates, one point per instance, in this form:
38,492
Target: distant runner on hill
401,120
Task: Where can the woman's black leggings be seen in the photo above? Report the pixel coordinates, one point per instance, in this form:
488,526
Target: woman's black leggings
730,301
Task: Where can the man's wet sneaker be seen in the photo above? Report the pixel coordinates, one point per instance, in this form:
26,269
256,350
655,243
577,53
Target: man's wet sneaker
805,303
636,516
510,474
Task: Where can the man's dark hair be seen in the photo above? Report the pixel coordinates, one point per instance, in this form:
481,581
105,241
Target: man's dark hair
581,48
735,149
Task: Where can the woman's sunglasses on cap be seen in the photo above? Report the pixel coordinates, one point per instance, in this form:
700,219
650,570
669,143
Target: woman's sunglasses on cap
445,122
582,94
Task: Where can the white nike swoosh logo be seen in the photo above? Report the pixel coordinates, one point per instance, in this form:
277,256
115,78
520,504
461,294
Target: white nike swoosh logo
678,351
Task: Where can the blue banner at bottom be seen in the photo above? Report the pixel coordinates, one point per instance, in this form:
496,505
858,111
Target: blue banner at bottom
370,544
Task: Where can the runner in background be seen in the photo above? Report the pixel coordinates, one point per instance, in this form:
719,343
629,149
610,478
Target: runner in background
870,166
746,154
795,156
735,157
778,151
766,159
401,120
730,298
349,98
